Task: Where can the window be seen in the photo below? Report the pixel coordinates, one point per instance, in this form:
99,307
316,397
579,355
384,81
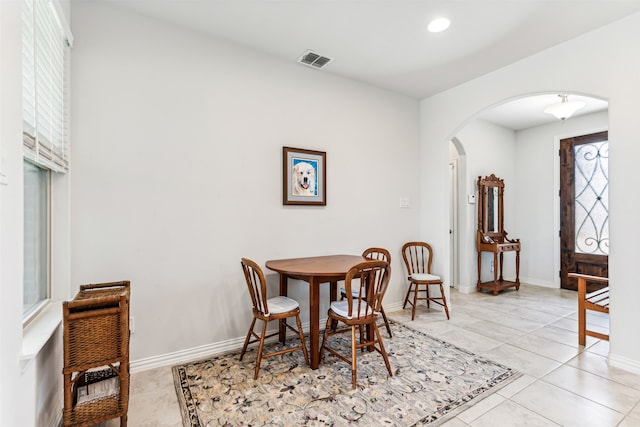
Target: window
36,238
46,41
592,197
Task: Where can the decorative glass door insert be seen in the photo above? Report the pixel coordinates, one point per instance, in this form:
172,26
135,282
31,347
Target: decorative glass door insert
592,198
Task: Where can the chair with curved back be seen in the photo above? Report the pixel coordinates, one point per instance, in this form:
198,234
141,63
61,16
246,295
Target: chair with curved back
379,254
365,284
417,258
278,308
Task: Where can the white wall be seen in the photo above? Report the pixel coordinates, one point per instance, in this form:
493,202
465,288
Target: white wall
177,172
11,198
490,149
596,64
30,387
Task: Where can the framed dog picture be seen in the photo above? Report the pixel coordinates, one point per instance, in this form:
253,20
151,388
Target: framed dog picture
304,177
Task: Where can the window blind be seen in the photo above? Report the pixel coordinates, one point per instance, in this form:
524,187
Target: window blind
45,85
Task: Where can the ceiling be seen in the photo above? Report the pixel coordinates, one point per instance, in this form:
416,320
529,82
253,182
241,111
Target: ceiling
385,43
524,113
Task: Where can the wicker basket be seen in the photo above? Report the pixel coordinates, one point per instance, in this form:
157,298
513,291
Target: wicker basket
96,347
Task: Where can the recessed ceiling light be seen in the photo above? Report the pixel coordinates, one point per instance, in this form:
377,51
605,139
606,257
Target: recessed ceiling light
438,24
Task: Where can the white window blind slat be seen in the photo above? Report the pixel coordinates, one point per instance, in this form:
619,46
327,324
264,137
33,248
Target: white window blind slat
45,85
28,72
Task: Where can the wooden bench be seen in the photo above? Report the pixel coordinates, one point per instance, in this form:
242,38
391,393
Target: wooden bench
595,301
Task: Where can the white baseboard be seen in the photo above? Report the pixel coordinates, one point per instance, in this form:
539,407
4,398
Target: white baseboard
197,353
213,349
183,356
624,363
467,289
56,419
395,306
538,282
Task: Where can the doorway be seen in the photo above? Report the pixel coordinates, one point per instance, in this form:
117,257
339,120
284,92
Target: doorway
584,208
528,158
458,229
453,221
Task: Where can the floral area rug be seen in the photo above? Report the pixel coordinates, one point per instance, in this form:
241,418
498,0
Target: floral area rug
432,381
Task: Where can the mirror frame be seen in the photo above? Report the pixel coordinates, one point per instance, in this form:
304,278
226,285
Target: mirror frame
491,189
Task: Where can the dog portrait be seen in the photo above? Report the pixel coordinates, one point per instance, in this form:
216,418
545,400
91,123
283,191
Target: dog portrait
304,179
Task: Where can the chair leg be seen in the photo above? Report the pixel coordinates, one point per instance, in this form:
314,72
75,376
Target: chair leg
364,337
260,347
386,322
246,341
426,289
283,327
325,336
406,298
353,357
304,346
415,301
444,301
382,349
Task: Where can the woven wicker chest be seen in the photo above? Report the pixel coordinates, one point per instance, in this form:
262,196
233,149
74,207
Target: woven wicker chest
96,354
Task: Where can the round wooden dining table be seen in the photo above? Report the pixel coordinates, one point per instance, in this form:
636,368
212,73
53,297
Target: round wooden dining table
314,270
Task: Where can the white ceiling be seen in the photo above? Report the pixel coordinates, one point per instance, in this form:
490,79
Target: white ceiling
385,42
524,113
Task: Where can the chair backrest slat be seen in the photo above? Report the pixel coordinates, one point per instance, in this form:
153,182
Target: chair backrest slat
256,284
417,257
369,276
379,254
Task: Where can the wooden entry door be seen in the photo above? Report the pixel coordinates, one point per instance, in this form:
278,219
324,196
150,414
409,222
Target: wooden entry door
584,208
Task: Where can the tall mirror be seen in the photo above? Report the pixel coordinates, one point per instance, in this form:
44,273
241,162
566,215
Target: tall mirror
490,209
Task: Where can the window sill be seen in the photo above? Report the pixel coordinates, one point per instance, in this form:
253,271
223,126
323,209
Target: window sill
36,335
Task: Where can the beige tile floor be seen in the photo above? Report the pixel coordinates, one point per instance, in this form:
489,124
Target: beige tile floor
532,330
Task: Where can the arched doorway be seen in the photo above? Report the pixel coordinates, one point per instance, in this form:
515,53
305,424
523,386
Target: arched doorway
524,151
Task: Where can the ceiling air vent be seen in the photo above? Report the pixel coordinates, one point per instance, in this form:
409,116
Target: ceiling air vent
314,60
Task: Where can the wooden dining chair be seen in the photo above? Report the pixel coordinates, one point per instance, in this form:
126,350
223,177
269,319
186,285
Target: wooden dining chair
380,254
267,309
417,258
366,284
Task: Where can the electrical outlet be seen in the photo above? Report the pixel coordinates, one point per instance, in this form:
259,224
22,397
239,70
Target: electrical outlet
491,267
132,325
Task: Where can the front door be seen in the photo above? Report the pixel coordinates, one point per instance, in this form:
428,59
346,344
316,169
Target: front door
584,208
